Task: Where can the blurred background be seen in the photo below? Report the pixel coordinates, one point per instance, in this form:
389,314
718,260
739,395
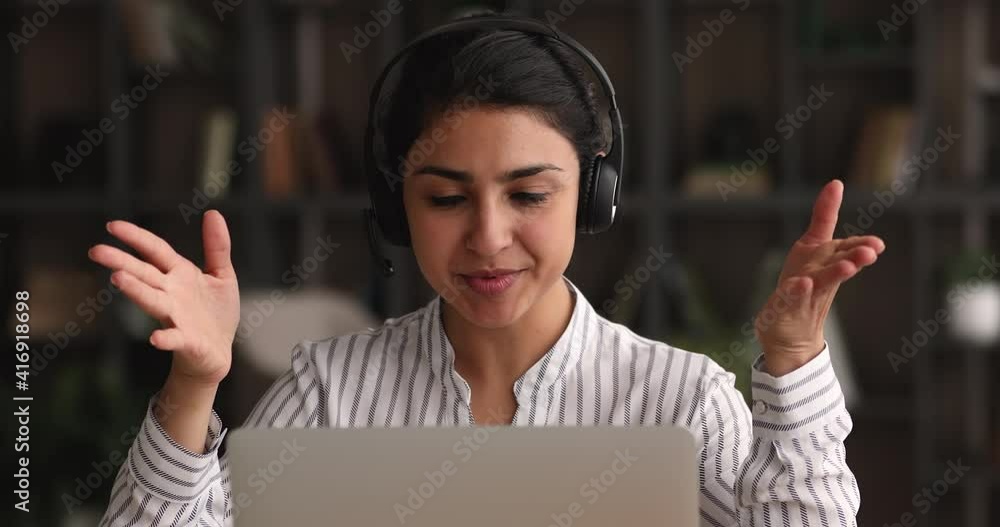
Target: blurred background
736,113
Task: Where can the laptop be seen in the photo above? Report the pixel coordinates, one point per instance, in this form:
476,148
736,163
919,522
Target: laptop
486,476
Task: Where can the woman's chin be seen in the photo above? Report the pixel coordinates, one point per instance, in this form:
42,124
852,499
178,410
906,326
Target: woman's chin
488,314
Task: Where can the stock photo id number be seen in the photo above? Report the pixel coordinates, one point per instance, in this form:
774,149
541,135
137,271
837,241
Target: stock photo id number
22,402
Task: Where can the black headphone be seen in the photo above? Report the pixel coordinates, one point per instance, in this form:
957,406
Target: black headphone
600,189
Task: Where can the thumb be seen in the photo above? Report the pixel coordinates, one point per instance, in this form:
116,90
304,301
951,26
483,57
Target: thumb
215,236
170,339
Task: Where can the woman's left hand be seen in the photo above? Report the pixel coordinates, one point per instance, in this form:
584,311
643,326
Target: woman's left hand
790,325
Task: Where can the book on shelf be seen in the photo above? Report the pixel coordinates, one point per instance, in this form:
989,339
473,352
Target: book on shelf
884,145
279,176
725,180
733,160
319,169
148,27
321,152
56,291
279,144
218,166
167,32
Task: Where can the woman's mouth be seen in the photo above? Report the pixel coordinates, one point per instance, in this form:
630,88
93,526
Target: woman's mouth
491,285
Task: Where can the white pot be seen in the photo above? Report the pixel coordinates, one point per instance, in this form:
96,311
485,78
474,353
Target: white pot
975,312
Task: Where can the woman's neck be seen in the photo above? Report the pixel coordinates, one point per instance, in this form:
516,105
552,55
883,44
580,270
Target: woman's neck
502,355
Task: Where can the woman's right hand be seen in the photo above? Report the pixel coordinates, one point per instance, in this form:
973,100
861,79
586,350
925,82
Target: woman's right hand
199,311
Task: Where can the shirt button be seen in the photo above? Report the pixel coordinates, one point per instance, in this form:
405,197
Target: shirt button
759,407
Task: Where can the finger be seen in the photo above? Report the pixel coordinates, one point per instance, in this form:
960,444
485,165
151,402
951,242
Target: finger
150,300
171,339
824,215
835,273
861,256
116,259
217,245
157,251
874,242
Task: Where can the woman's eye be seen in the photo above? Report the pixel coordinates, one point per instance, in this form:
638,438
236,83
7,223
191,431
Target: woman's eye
526,198
445,201
530,198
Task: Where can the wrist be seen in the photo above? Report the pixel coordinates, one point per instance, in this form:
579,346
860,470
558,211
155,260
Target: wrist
180,392
780,361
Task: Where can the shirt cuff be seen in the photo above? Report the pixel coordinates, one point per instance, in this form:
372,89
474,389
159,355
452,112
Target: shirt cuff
168,469
798,402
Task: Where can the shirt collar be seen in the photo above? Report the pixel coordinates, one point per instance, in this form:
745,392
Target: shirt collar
550,368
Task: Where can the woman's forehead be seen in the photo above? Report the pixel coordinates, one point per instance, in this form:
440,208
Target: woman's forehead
495,141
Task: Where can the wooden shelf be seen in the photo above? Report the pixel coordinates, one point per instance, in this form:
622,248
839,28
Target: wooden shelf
32,5
719,5
887,61
13,203
800,202
335,4
668,203
328,7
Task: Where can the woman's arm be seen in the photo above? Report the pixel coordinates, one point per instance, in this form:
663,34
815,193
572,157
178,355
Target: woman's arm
784,463
185,412
792,469
162,481
165,482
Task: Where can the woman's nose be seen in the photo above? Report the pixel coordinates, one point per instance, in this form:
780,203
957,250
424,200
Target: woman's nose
490,230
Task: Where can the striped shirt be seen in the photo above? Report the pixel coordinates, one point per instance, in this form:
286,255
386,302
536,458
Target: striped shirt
784,463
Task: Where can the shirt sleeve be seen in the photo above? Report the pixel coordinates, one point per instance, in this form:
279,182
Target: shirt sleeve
790,468
162,483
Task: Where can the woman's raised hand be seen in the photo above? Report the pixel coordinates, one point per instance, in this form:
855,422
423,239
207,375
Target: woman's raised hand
790,325
199,310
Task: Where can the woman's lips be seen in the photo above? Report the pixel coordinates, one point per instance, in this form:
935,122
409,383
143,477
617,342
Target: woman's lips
491,286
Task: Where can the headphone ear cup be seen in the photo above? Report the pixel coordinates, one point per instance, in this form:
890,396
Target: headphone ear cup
603,209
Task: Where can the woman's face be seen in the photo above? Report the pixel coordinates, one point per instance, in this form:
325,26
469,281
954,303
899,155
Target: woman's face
491,189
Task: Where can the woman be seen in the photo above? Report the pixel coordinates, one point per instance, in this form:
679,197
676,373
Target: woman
496,195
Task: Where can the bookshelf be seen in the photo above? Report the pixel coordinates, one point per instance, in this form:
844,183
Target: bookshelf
285,52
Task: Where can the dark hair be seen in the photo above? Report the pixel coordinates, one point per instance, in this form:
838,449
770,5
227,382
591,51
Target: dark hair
515,70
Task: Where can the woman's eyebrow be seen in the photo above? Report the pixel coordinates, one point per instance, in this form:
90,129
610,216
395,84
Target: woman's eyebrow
465,177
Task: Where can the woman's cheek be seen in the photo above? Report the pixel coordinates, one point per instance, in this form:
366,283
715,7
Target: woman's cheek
543,231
